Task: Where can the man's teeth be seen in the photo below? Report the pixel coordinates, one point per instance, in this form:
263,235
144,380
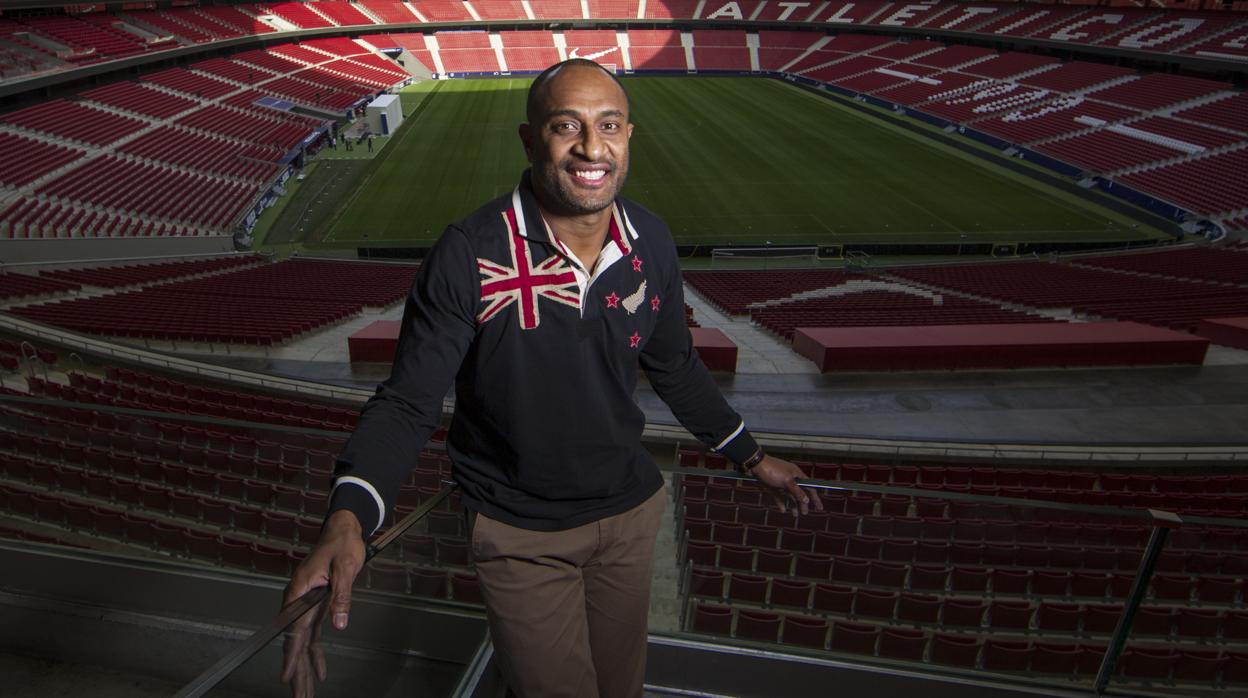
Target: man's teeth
591,174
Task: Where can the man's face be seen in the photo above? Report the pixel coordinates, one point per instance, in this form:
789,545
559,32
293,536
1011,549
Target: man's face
578,142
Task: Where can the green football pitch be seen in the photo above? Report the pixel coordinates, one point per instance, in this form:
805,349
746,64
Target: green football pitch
724,161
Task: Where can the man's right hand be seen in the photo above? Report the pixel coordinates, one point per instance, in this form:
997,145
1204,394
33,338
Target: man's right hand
334,562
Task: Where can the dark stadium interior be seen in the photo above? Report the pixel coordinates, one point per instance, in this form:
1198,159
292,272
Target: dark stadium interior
1030,442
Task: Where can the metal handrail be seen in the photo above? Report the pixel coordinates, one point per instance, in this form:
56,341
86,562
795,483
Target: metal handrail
260,639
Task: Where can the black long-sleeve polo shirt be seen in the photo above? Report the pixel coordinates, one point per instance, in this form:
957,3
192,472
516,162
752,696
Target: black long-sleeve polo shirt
546,434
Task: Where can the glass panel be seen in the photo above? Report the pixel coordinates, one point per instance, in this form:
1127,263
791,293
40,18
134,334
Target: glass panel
1015,571
247,497
1189,634
1002,570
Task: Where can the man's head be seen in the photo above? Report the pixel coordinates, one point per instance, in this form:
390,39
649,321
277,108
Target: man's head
576,137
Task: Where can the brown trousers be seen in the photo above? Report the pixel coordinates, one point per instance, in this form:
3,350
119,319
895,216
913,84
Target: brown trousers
568,609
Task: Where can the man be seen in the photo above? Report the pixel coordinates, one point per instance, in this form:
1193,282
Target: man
541,305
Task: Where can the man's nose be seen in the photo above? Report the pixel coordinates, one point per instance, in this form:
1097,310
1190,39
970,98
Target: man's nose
592,144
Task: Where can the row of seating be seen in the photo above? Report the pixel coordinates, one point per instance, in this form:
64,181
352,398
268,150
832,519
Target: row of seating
16,286
1000,615
1066,659
1192,263
956,475
887,308
27,159
165,314
1171,302
113,276
153,190
29,217
209,154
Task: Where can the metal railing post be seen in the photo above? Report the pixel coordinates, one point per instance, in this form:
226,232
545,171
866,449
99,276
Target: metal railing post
1163,521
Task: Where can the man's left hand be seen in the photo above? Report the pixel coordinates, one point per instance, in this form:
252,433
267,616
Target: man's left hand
781,477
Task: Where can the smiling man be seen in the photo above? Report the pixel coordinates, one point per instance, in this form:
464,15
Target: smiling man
541,307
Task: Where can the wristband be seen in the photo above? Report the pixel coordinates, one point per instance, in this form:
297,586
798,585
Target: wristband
745,467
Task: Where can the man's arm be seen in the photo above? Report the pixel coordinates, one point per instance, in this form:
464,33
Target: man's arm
439,322
684,383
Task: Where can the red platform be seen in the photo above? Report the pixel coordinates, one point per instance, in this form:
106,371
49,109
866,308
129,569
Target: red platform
996,346
378,341
717,351
375,342
1227,331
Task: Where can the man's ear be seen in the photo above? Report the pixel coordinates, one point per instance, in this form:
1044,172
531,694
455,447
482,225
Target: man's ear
526,139
630,129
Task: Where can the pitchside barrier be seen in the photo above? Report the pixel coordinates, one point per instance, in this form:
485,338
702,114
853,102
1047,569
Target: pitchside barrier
765,257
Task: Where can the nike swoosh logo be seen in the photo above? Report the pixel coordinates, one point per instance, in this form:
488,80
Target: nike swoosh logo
592,56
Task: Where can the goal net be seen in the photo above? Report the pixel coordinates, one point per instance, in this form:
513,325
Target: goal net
612,68
764,257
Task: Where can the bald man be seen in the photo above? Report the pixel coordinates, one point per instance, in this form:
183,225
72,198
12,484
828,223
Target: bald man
541,307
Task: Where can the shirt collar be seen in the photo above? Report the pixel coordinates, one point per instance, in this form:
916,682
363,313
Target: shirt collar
529,224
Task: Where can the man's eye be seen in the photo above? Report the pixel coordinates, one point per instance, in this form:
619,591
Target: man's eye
610,126
565,126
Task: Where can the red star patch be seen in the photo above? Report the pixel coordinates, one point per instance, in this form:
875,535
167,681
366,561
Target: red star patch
634,340
654,304
613,301
636,263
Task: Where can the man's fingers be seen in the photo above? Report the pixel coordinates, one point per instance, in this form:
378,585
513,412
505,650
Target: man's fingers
814,496
318,662
341,579
799,495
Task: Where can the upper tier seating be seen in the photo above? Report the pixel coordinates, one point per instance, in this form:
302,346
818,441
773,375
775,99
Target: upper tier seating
391,12
297,13
236,18
344,14
191,25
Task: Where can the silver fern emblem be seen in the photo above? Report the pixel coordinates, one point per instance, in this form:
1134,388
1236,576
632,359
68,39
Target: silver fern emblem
633,301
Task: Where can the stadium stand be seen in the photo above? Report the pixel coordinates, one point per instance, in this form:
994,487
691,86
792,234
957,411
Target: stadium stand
466,51
15,286
74,121
1173,303
721,49
777,49
391,12
142,274
887,308
28,160
656,49
529,49
134,97
240,302
999,588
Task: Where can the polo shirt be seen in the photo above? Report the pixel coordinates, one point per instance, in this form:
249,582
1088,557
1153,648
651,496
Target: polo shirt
546,433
